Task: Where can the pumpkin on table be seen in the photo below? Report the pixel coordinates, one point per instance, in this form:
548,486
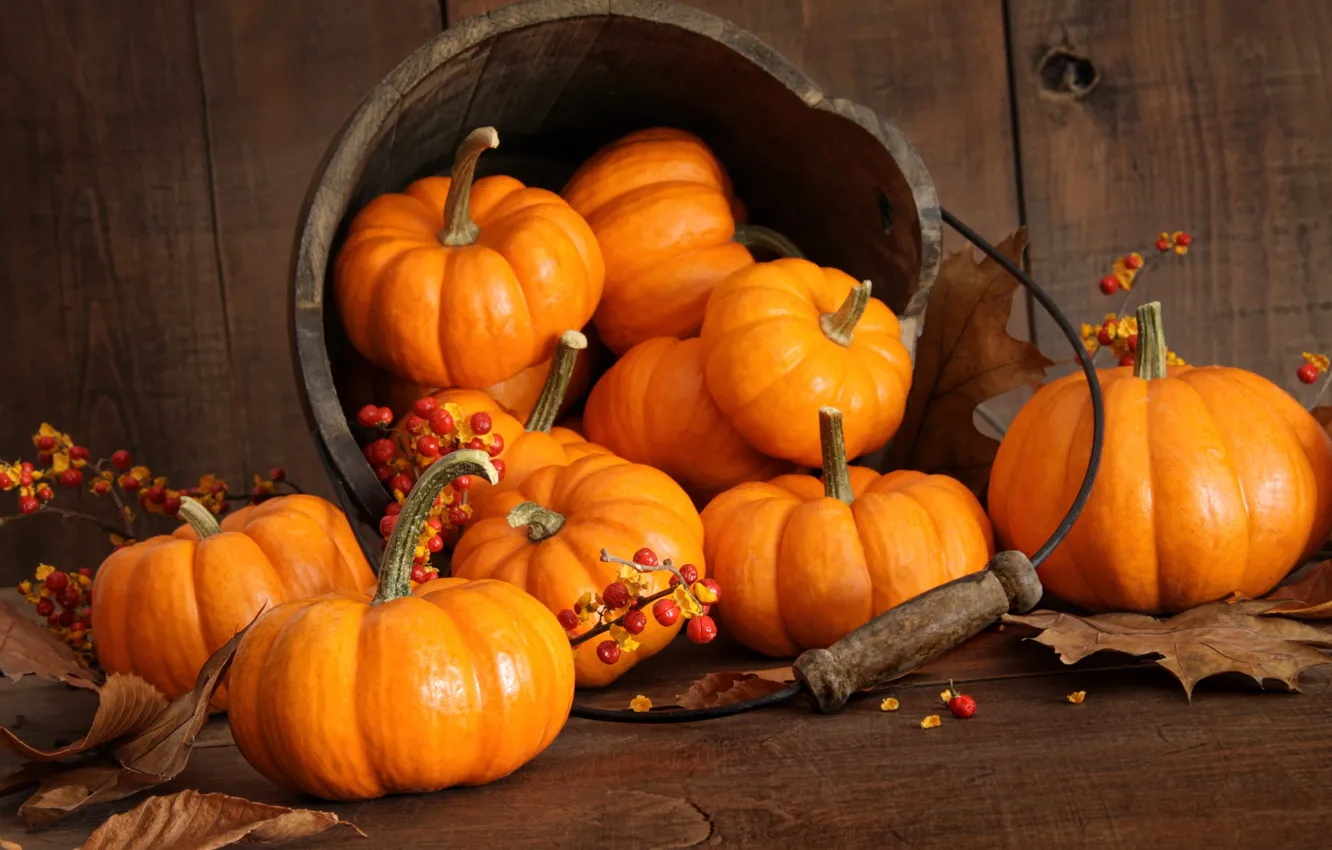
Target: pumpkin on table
805,562
165,604
460,284
784,337
1212,480
458,683
664,212
547,535
653,407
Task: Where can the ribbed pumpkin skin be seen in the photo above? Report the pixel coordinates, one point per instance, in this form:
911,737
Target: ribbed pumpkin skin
365,384
653,407
167,603
662,209
1212,480
460,684
467,316
608,503
799,570
770,365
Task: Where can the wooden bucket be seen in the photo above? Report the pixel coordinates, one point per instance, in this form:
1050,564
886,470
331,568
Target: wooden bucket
561,78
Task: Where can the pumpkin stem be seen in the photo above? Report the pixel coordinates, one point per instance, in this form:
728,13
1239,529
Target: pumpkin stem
836,474
200,518
757,236
459,229
840,326
541,522
395,570
542,417
1149,361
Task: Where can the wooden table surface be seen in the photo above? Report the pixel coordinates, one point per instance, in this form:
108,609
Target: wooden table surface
1135,766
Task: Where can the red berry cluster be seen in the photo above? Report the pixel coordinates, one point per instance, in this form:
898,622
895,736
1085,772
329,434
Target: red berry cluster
65,600
619,607
430,431
1127,268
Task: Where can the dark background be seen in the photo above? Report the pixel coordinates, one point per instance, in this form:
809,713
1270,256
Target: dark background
154,156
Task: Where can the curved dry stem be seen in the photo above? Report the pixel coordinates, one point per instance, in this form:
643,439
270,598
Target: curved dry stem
200,518
840,326
395,570
836,473
459,229
547,407
757,236
541,522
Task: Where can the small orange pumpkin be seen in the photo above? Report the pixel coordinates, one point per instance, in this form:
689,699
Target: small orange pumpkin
783,337
1212,480
523,447
803,563
364,383
444,301
167,603
663,211
458,683
546,536
653,407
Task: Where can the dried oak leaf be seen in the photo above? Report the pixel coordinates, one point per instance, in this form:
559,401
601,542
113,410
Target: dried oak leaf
190,820
26,647
127,706
964,356
717,689
1309,598
1220,637
156,754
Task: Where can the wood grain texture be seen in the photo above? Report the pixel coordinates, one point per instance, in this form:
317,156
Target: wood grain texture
1134,766
108,269
1201,121
156,157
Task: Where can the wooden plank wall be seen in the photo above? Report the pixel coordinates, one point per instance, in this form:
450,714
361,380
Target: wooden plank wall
155,156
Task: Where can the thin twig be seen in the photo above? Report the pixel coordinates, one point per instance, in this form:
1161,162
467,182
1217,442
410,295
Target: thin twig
64,514
602,628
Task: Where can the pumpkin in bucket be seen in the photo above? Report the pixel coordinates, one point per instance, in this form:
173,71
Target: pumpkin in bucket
456,283
786,336
1212,480
348,697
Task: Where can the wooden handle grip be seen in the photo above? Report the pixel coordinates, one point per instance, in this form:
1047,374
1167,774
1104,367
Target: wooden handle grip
924,627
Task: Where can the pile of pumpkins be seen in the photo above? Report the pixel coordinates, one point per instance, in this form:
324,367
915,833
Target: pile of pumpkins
733,377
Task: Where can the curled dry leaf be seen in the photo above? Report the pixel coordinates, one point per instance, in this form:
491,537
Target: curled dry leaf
127,706
1308,598
26,647
964,356
717,689
1220,637
190,820
156,753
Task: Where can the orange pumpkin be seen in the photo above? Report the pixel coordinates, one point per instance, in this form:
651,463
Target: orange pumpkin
441,300
546,536
167,603
364,383
802,562
1212,480
653,407
524,448
783,337
663,211
458,683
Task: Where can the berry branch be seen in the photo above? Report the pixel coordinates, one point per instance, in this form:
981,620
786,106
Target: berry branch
618,609
62,513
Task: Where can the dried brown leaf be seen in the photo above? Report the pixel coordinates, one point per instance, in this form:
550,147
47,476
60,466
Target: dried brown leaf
190,820
128,705
155,754
717,689
26,647
1309,598
1220,637
964,356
